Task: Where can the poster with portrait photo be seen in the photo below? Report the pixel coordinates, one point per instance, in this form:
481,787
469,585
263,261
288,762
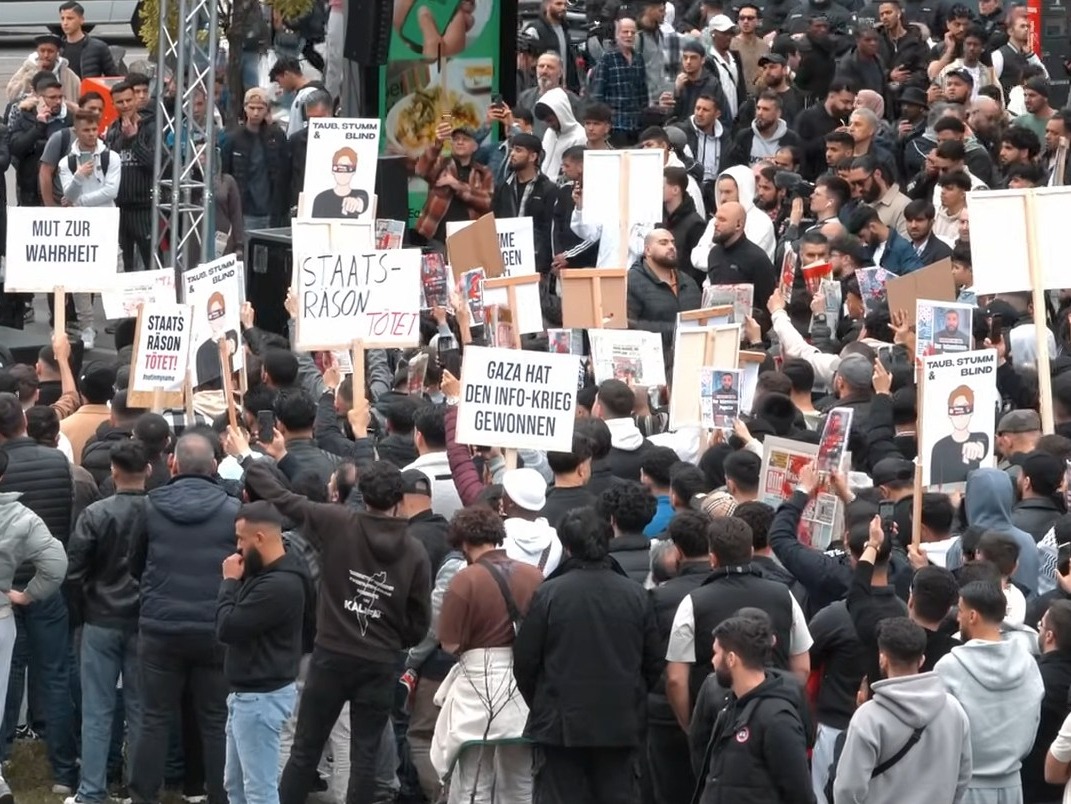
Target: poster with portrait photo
961,401
942,328
340,169
719,397
215,292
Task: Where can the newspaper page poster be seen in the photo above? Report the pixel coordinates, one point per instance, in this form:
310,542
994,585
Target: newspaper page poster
825,308
719,397
136,288
630,355
834,440
472,294
215,292
565,341
782,460
872,287
340,168
942,328
740,297
961,401
434,280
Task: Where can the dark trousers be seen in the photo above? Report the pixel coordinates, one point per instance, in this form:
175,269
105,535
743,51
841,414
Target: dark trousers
334,679
168,665
135,235
669,763
584,775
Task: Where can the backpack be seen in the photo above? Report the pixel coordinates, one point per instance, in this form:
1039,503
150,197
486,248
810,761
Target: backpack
72,163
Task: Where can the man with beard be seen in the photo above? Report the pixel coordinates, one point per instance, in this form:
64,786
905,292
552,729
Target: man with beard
767,133
526,192
887,248
260,614
1038,110
549,71
682,219
549,34
736,260
819,120
1019,145
657,290
768,197
872,185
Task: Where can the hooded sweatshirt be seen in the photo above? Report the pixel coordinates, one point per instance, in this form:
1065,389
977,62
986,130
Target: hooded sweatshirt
533,542
992,511
25,537
627,448
936,768
569,132
19,85
1000,688
758,228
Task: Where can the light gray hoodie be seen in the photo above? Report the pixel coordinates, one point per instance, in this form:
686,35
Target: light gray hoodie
24,537
999,686
936,768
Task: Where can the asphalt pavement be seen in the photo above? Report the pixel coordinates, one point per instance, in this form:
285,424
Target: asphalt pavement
14,49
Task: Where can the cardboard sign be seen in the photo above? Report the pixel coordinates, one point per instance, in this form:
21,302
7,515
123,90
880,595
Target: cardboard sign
932,282
346,294
693,348
942,328
958,418
76,248
594,298
131,290
516,242
215,292
521,294
617,182
340,169
161,351
475,246
510,398
632,356
782,460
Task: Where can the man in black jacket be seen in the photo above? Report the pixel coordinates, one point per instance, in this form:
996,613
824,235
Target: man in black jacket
87,56
628,507
586,722
526,192
735,260
1054,639
426,526
260,613
657,290
550,32
257,155
295,417
105,594
132,136
31,123
96,455
682,220
189,532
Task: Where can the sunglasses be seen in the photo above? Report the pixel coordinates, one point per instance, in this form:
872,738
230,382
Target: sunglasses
216,314
742,18
960,410
343,168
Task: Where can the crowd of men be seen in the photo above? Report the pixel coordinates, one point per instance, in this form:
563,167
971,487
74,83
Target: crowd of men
338,598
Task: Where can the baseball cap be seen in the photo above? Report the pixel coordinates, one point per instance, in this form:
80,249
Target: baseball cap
529,142
415,482
962,75
526,488
465,131
256,94
693,46
772,58
720,23
893,470
1019,421
856,370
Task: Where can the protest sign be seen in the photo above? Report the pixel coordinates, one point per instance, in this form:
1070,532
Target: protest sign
340,168
622,183
161,355
472,294
215,292
565,341
942,328
872,287
693,348
434,280
834,440
719,397
74,248
475,246
516,241
788,273
519,399
131,290
594,298
750,363
389,233
352,294
722,315
829,292
520,294
632,356
956,433
739,297
932,282
782,460
814,273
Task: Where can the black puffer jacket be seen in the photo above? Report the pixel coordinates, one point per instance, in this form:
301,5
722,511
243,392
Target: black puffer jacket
99,560
96,61
632,552
97,453
652,304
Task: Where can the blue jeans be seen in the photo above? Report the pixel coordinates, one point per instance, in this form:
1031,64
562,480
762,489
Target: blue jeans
254,723
255,222
107,653
44,643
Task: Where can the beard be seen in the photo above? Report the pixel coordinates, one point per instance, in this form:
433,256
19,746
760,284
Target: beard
254,562
721,238
765,206
872,193
724,677
667,261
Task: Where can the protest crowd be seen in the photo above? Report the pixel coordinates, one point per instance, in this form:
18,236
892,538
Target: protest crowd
636,498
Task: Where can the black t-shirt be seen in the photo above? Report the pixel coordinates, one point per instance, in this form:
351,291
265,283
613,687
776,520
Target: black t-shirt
946,459
72,51
329,205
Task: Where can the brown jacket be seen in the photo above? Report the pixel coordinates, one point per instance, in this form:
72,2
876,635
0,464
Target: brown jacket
81,425
476,194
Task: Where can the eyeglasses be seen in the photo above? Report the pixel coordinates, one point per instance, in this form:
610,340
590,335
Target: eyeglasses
960,410
343,168
215,314
749,18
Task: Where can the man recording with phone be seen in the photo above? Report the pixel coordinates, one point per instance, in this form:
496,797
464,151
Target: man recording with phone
35,119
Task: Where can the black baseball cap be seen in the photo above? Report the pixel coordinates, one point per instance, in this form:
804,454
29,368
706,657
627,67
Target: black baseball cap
415,482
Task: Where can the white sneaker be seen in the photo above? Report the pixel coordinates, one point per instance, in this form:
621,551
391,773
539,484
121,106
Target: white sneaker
89,337
63,790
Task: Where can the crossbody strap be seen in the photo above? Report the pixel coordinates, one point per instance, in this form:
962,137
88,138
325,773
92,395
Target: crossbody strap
511,605
916,735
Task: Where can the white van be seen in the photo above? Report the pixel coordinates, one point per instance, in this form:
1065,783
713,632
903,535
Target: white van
39,15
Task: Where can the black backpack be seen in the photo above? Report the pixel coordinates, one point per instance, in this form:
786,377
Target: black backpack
72,163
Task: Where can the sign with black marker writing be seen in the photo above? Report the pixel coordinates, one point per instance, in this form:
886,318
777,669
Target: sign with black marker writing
516,241
356,294
163,349
340,168
511,398
215,292
76,248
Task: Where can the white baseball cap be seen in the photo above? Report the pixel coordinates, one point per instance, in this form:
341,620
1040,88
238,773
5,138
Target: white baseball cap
720,23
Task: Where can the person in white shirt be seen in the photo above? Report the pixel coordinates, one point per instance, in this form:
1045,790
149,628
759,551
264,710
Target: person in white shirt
89,176
287,74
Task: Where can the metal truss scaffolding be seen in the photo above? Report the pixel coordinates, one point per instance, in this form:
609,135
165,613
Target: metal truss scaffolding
183,220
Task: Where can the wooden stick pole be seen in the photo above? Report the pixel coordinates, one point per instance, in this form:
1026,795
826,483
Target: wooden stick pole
228,382
357,357
1037,290
157,399
510,454
916,498
59,312
623,209
515,326
187,392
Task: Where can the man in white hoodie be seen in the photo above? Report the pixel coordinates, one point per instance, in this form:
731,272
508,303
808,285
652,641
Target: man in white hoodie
999,686
529,537
738,184
563,132
45,57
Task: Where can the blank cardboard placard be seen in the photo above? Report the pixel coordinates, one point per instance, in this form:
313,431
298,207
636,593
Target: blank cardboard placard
932,282
605,196
750,363
707,317
594,298
693,349
307,234
525,305
475,246
516,242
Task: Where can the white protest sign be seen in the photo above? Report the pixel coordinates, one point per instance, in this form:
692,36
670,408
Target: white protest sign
961,401
999,235
348,294
136,288
215,292
607,188
633,356
76,248
163,348
516,240
512,398
527,310
340,168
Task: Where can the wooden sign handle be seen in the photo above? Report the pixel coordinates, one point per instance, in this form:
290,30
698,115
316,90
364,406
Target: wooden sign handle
623,208
228,381
515,327
59,309
916,498
187,392
357,357
157,399
510,454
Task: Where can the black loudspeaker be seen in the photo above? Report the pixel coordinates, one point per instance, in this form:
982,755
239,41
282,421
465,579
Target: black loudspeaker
392,189
368,31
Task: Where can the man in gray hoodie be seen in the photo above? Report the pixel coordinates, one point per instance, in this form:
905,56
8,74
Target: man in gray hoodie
23,537
999,686
912,734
